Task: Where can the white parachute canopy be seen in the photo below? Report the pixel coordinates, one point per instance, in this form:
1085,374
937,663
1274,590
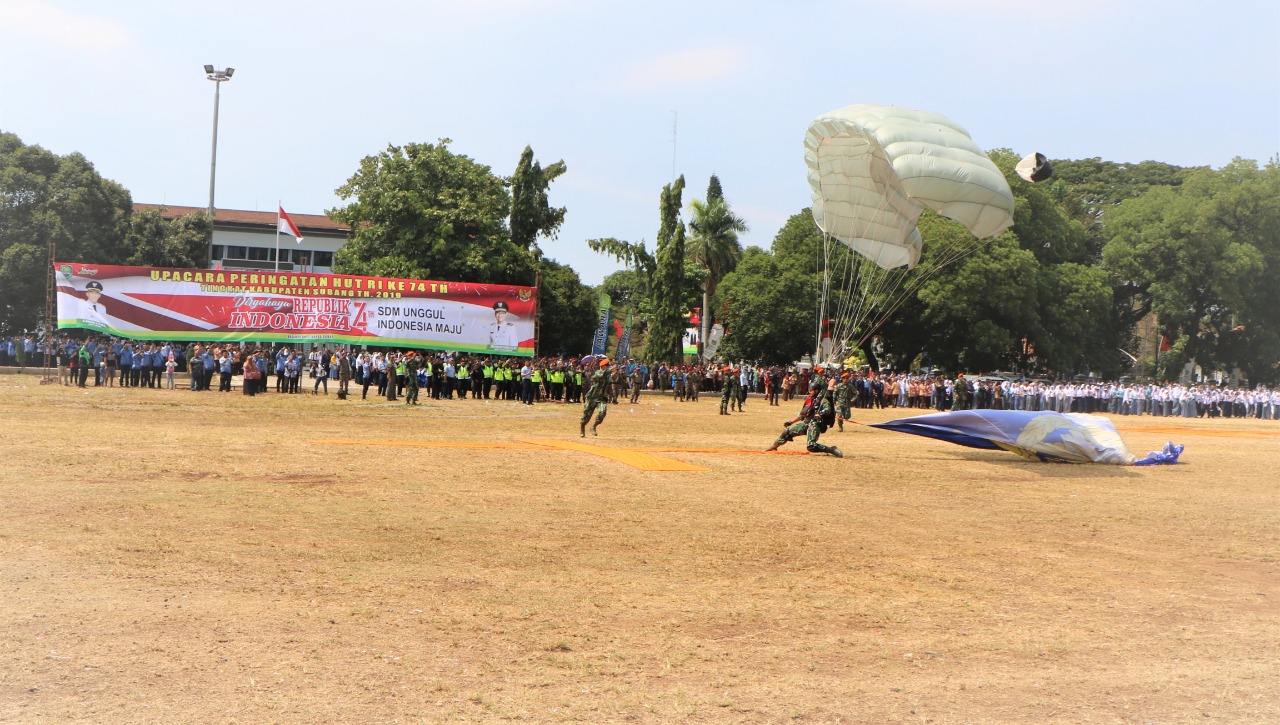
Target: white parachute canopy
873,169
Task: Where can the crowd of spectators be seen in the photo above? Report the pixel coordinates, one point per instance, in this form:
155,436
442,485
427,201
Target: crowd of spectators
103,361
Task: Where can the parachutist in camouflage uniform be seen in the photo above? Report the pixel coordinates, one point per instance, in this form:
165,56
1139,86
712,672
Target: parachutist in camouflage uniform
810,422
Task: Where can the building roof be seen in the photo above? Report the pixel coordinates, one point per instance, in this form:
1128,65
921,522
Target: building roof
237,218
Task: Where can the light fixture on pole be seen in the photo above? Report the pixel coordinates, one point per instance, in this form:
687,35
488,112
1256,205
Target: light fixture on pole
217,76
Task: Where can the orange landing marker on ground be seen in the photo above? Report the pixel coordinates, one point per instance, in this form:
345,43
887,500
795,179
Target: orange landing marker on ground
635,459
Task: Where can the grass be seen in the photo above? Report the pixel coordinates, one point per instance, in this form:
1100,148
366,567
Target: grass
182,557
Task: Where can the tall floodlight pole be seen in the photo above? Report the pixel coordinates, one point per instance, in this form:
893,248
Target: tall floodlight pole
217,76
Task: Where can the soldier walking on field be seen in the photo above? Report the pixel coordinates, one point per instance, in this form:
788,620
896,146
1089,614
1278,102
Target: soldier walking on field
597,400
844,395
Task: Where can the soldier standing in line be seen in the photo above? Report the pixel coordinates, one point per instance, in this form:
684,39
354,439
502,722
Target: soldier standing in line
344,372
411,379
636,379
960,393
597,400
394,368
728,390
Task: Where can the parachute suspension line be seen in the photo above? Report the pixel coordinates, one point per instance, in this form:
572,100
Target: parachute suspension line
951,253
865,286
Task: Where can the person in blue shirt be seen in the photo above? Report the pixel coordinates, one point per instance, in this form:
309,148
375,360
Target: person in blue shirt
158,361
292,368
224,371
282,358
126,365
195,371
209,365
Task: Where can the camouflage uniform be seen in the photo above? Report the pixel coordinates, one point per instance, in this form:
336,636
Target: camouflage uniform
960,394
597,400
844,394
809,422
730,392
411,380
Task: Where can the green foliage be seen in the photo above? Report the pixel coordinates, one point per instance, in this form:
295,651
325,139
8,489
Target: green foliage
628,287
49,199
800,240
1092,186
531,213
714,244
714,191
666,328
421,211
567,311
154,241
977,312
1203,257
767,306
633,255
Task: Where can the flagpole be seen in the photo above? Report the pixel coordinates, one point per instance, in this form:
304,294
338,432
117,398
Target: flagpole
278,207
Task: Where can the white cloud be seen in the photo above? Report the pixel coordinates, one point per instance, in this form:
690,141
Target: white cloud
41,20
685,67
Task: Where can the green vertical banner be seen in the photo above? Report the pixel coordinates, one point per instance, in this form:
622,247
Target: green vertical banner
601,340
624,342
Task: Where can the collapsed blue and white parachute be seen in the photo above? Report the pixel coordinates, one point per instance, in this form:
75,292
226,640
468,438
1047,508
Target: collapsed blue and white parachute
1043,436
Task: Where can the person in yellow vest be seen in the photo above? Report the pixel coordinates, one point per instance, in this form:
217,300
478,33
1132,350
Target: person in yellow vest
464,379
537,382
486,371
557,383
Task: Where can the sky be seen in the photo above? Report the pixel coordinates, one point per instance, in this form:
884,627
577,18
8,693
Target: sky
626,94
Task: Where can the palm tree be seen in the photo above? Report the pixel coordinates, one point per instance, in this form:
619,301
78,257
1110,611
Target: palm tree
714,245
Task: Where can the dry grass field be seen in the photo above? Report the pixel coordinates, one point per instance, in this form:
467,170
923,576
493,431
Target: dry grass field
173,557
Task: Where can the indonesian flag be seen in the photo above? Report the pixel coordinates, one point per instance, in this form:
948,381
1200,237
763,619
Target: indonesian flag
285,225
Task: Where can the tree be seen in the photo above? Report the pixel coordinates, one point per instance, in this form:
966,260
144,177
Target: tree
634,255
567,308
531,214
49,199
666,330
764,304
423,212
714,244
714,191
154,241
1089,187
1199,256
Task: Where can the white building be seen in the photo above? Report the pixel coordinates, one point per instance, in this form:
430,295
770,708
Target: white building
247,239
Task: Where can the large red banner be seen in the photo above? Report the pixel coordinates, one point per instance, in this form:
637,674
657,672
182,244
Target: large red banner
154,303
